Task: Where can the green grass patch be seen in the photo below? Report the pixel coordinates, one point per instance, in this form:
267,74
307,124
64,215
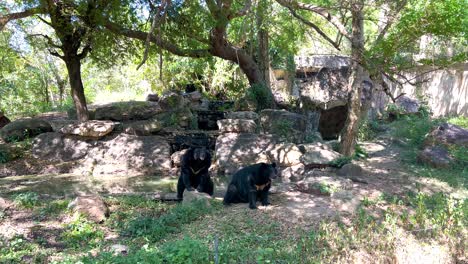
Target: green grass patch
412,131
459,121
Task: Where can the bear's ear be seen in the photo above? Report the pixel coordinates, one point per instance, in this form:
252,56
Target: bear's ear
273,164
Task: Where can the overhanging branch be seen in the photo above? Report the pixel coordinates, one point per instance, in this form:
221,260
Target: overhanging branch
172,48
321,11
23,14
316,28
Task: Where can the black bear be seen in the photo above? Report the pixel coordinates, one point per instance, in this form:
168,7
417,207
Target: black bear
194,172
251,183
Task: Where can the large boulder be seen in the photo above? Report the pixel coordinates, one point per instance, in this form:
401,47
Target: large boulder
350,170
194,96
435,156
179,117
237,126
92,128
407,105
152,98
25,128
131,110
3,120
58,147
325,89
294,173
171,100
90,206
242,115
317,154
144,127
285,154
286,125
190,197
129,155
234,151
176,157
447,134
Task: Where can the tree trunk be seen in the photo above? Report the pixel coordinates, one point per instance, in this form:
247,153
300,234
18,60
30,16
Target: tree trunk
77,90
263,45
349,132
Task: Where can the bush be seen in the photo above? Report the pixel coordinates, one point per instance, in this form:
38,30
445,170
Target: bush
27,199
260,94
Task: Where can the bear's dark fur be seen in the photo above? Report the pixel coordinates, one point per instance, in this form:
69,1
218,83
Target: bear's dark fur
251,183
194,172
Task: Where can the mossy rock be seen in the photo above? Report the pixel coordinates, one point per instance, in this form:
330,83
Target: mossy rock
22,129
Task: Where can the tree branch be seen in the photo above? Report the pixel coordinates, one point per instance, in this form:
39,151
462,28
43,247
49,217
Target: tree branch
23,14
49,40
85,51
55,53
243,11
391,20
316,28
172,48
322,11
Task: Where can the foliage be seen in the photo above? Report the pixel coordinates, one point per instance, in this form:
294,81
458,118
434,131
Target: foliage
154,229
82,233
27,199
259,93
461,121
412,130
341,161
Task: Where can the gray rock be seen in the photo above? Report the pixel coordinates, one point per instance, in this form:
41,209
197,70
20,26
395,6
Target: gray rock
408,105
171,100
152,97
190,197
435,156
129,155
317,153
92,128
236,126
91,206
194,96
287,125
144,127
234,151
176,157
293,174
131,110
119,249
242,115
447,134
59,147
285,154
19,130
350,170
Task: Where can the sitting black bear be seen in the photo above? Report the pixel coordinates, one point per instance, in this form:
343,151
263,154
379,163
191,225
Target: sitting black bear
194,172
251,183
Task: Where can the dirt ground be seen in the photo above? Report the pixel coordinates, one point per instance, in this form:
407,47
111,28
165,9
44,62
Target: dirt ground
383,173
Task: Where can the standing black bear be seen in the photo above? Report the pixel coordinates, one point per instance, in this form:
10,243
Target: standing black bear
194,172
251,183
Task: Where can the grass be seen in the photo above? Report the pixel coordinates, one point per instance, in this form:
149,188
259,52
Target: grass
461,121
158,232
412,130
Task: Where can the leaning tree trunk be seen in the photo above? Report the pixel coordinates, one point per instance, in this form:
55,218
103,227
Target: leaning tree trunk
349,132
77,90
